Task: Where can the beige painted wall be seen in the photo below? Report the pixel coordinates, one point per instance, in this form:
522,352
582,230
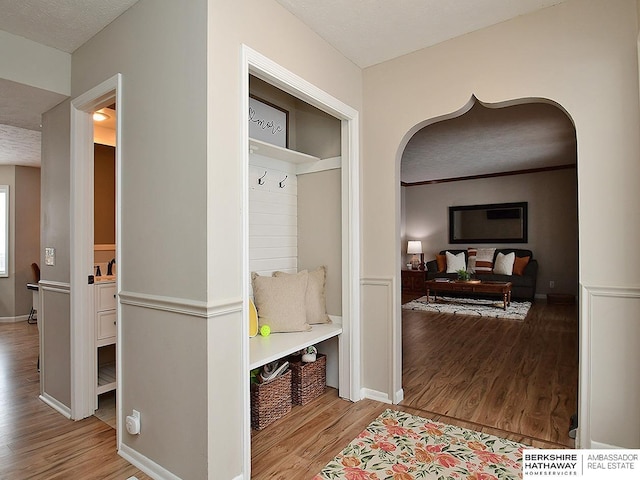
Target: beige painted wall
55,201
27,234
24,239
582,55
54,315
311,130
181,209
320,230
553,219
159,47
8,284
269,29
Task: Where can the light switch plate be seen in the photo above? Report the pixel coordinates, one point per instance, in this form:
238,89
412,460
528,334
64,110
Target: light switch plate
49,256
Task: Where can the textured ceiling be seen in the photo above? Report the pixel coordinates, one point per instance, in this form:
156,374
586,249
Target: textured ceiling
373,31
366,31
19,146
61,24
490,140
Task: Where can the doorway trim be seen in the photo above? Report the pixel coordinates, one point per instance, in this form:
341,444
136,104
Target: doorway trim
83,373
257,64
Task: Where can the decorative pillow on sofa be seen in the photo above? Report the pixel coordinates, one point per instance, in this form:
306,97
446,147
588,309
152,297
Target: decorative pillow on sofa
504,263
520,264
471,259
280,302
315,299
484,260
442,263
455,262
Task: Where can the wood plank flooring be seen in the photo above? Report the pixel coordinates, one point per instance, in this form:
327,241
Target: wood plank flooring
520,377
36,442
516,380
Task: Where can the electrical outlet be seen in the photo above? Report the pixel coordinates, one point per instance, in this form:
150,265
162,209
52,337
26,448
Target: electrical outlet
49,256
552,284
132,423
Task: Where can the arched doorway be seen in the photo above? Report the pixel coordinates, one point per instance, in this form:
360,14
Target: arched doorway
521,151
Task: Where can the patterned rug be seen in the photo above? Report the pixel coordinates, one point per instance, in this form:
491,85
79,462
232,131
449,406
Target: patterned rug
401,446
471,306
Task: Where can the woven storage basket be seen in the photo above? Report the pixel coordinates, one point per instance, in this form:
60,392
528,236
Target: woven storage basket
270,401
308,380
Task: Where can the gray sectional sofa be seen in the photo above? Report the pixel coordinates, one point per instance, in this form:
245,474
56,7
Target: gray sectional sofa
523,286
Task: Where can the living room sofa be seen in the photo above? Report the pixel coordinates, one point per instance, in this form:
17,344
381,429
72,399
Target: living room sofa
523,286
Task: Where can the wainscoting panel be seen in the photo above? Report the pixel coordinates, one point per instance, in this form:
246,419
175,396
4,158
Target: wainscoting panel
378,339
55,345
609,360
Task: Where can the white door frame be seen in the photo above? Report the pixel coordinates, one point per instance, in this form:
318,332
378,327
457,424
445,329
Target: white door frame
256,64
83,368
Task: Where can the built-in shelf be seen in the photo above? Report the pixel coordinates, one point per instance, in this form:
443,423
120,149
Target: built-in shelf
279,153
263,350
106,378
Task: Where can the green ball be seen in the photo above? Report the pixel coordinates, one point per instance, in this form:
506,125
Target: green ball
265,330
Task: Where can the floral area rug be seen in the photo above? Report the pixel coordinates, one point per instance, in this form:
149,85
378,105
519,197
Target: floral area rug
471,306
401,446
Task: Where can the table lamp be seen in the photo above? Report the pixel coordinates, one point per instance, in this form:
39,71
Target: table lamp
415,248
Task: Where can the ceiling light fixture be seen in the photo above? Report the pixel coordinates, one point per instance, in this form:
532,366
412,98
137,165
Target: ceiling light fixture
100,116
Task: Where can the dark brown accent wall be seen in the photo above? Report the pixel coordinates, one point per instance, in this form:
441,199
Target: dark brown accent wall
104,178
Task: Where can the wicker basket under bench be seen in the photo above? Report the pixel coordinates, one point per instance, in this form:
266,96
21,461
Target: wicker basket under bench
270,401
308,380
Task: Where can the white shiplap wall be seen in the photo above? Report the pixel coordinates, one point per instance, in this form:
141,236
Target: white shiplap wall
273,216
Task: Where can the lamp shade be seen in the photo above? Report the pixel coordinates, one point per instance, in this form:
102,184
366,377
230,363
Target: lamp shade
415,246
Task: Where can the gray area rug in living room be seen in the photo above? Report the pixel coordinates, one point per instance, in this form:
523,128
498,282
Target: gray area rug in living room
471,306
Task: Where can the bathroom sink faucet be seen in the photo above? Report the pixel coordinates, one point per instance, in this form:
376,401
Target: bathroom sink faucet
110,266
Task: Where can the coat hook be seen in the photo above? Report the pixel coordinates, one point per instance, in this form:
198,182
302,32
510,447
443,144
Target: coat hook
281,183
261,179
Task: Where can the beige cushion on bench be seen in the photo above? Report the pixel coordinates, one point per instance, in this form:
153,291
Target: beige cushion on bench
315,298
280,302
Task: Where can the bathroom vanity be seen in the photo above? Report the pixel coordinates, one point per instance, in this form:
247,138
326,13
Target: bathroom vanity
105,328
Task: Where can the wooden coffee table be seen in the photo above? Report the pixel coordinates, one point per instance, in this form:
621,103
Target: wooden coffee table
473,286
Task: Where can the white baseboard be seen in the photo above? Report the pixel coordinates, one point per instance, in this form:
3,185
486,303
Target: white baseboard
375,395
143,463
19,318
56,405
603,446
398,397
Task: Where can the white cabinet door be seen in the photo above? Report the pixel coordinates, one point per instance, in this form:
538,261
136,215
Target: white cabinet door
106,297
106,325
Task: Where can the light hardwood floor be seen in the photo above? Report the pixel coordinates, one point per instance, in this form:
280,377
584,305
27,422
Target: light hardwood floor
516,380
36,442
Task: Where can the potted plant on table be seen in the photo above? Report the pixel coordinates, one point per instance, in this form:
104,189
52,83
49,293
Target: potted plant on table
463,275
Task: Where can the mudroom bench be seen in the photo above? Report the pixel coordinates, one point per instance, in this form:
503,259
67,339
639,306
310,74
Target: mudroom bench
263,350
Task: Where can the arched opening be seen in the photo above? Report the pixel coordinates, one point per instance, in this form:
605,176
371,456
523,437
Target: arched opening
518,376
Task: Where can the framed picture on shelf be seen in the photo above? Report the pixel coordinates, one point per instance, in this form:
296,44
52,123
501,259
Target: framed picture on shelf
268,123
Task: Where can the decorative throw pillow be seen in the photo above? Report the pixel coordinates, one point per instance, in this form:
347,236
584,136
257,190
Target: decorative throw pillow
280,302
504,263
484,260
315,298
519,265
471,259
455,262
253,319
442,263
